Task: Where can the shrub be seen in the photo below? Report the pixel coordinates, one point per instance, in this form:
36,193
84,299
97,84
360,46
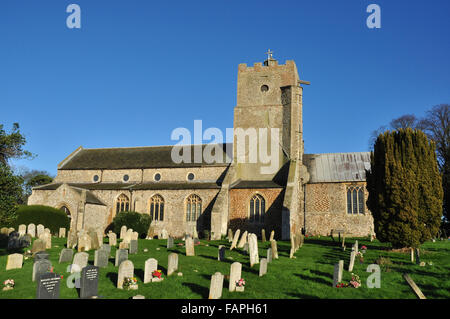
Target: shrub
50,217
137,221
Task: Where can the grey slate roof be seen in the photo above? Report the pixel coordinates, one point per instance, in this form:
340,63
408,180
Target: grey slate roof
255,184
133,158
133,186
337,167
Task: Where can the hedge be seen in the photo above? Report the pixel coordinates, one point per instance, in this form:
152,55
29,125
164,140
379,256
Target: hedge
50,217
137,221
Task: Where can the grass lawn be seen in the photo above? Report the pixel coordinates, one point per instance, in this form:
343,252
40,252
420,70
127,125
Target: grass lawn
309,275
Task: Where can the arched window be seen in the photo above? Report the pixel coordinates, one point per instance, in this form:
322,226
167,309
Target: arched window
257,209
66,210
157,207
355,200
193,208
122,204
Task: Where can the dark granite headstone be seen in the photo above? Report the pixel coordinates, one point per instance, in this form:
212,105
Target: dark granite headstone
14,240
133,246
89,282
48,286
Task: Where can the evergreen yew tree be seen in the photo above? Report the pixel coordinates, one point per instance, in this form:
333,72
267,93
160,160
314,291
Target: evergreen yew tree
405,188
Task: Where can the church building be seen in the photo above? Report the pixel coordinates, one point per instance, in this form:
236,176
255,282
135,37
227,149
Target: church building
310,193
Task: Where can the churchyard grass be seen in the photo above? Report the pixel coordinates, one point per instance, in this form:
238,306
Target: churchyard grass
309,275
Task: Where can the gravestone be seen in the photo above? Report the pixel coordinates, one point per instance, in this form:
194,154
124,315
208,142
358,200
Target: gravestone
72,239
134,235
243,240
172,264
4,231
417,251
356,246
352,261
31,229
62,232
235,275
123,231
151,265
133,246
235,239
263,267
112,239
190,251
269,255
121,256
84,242
164,234
40,230
124,245
47,238
41,255
40,267
66,255
169,242
128,235
80,260
343,241
38,245
272,235
10,230
101,257
253,249
48,286
107,248
100,237
126,270
94,239
14,261
337,274
89,282
273,245
245,248
22,229
263,235
13,240
230,235
216,286
25,240
221,253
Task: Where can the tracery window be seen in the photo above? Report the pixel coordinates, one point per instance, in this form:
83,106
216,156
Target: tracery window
122,204
157,207
193,208
355,200
257,209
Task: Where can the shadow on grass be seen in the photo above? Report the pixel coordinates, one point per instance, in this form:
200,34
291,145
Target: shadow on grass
215,258
311,278
202,291
113,277
140,274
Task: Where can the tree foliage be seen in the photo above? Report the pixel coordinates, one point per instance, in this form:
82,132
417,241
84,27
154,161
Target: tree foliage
137,221
10,195
405,188
11,145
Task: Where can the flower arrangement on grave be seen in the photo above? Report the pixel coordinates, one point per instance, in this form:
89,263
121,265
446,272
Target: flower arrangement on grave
240,283
363,249
355,282
360,256
157,274
130,283
9,284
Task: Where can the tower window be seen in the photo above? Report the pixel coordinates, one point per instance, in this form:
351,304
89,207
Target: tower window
191,176
264,88
157,177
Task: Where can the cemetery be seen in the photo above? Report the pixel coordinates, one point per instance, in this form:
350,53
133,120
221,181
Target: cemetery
243,266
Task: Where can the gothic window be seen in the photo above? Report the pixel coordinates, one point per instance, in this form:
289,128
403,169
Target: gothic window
193,208
122,204
157,207
257,209
355,200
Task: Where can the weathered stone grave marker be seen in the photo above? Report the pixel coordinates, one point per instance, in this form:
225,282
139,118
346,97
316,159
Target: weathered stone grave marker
14,261
40,267
263,267
101,257
80,260
216,286
66,255
126,270
172,264
235,239
121,256
235,275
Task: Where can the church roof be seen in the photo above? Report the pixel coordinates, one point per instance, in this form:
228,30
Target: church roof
337,167
256,184
134,158
133,186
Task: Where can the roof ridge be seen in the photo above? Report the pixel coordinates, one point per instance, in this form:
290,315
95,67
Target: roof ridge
152,146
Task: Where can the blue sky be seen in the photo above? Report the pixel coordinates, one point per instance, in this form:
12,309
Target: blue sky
136,70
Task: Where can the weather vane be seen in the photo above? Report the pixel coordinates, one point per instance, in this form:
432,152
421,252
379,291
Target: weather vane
269,55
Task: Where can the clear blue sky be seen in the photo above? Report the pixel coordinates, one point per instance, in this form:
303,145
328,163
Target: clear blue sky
136,70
